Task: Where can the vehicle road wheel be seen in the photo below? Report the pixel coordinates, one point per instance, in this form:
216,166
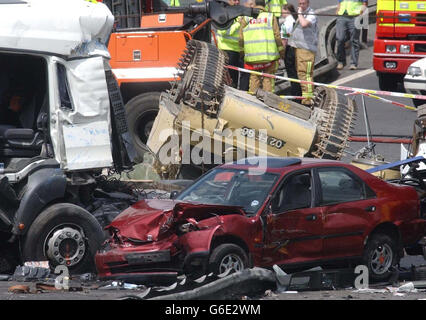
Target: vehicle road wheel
141,112
64,234
380,255
388,82
227,258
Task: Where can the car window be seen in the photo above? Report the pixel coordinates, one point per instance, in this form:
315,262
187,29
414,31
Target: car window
296,193
337,186
231,187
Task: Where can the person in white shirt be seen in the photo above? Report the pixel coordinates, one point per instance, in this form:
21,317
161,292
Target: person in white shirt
289,18
304,39
289,15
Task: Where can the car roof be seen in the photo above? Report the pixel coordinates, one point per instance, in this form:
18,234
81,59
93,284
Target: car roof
278,164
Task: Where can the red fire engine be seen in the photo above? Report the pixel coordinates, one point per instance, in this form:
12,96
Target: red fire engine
400,39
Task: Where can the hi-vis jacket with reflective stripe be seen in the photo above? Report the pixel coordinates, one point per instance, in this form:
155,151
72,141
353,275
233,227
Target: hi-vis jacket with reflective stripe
350,7
259,40
228,39
275,6
173,3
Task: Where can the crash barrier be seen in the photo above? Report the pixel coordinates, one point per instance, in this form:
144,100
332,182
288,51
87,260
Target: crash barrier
233,281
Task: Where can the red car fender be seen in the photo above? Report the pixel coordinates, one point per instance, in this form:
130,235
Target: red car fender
200,240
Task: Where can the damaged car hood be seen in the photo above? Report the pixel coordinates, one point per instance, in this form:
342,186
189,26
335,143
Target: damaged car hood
147,220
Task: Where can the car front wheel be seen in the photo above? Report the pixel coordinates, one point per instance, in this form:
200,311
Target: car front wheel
380,255
227,258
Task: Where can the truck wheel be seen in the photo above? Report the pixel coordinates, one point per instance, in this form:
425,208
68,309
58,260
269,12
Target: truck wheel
229,258
388,82
380,255
64,234
141,112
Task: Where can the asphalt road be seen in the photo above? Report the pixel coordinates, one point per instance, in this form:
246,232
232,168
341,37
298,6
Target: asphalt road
384,119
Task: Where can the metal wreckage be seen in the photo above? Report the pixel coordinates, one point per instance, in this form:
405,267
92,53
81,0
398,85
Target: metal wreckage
202,104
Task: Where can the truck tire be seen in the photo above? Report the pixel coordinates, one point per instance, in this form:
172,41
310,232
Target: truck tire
226,257
388,82
64,234
380,255
141,112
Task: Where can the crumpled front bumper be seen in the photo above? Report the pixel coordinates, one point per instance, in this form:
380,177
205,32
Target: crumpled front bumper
156,263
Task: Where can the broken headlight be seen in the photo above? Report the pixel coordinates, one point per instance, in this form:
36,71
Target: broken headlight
184,228
189,226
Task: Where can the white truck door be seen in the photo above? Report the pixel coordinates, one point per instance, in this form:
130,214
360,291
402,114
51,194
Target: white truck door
81,115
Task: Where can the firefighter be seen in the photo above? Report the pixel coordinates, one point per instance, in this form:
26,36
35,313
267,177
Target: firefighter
275,6
304,40
172,3
261,46
227,41
348,10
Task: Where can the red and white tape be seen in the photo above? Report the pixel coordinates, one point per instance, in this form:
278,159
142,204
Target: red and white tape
366,92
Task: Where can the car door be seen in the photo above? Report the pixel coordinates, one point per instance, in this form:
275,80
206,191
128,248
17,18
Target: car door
350,207
80,119
294,227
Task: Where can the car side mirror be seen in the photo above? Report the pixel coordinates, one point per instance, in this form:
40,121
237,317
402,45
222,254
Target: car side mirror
174,194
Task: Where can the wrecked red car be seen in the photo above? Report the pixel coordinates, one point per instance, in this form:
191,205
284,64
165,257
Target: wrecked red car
294,212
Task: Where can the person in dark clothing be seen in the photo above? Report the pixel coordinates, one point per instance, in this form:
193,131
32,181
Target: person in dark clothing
290,66
290,16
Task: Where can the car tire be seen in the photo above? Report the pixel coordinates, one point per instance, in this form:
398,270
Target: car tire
380,255
227,256
64,231
141,112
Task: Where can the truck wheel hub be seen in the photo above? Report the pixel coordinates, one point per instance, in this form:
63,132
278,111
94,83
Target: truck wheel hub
66,246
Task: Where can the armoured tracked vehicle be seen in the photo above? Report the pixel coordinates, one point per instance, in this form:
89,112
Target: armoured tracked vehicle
233,123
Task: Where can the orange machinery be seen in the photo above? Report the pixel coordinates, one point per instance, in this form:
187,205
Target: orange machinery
145,47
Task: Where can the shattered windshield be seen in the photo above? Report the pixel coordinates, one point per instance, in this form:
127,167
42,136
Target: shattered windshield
231,187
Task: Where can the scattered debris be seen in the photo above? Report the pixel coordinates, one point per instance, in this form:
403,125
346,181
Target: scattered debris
30,272
19,289
5,277
419,272
86,277
313,279
114,285
37,264
269,293
370,290
408,287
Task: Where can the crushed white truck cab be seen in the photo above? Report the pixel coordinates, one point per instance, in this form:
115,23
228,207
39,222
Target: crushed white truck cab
62,122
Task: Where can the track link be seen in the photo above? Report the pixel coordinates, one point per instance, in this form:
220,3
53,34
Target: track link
336,124
204,74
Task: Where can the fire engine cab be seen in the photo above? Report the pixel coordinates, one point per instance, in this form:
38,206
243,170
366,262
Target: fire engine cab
400,39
